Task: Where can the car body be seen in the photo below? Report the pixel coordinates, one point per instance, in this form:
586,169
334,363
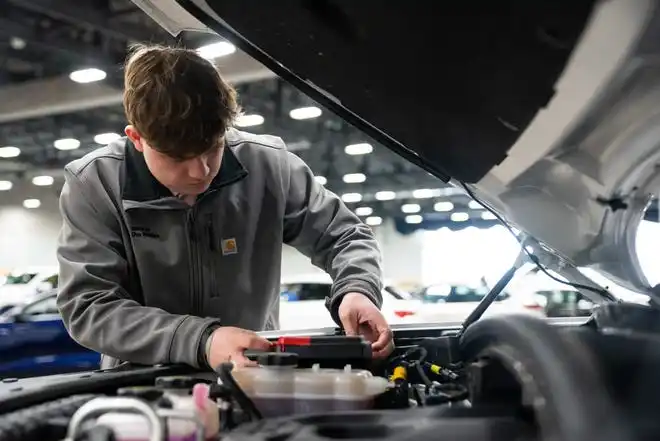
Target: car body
22,284
303,296
34,341
444,302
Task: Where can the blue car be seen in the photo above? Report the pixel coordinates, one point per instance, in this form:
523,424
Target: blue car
34,341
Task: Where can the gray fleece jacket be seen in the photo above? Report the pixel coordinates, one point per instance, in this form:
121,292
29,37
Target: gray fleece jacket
145,277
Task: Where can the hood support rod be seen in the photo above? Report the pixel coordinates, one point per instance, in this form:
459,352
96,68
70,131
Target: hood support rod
496,290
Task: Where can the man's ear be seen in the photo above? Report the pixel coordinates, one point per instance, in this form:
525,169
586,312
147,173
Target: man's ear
135,137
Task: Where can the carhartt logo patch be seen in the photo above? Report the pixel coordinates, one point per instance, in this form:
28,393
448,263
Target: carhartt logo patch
229,246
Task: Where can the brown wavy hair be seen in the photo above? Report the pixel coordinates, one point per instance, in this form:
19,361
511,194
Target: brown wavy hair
176,100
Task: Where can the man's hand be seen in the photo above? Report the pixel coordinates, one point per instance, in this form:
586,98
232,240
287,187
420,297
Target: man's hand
227,344
359,315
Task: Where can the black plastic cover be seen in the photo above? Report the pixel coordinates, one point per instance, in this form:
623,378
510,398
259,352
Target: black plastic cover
278,359
179,382
147,393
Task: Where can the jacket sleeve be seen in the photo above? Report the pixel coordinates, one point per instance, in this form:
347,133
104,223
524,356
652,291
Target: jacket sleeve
319,225
94,299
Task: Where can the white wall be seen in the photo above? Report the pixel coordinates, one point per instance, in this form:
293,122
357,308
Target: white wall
402,256
28,237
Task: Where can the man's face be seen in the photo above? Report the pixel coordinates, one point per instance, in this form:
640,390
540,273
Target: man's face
188,177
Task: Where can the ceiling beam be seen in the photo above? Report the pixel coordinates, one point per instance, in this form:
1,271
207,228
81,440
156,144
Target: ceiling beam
68,48
60,95
87,17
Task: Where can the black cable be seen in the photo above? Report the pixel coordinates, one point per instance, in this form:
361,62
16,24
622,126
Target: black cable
532,257
224,373
406,355
422,375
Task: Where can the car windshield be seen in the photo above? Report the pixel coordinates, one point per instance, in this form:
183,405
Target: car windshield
19,278
442,293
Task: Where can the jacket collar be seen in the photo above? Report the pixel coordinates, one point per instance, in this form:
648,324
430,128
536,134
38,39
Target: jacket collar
139,184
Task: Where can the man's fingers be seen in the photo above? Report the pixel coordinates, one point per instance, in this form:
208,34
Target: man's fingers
384,336
350,327
384,345
350,323
383,353
259,343
240,360
250,340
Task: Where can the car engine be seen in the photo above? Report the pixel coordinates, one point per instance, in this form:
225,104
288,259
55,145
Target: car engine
501,378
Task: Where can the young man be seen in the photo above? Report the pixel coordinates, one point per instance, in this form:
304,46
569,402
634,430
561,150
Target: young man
170,251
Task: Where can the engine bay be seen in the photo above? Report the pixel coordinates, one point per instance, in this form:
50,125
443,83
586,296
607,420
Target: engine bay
504,378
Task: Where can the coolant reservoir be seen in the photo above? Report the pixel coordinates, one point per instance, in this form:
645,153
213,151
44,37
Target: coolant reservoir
191,406
277,388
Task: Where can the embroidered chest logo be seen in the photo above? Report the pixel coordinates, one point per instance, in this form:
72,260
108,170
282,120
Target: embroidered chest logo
144,232
229,246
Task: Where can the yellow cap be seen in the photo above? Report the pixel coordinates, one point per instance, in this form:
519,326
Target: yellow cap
400,373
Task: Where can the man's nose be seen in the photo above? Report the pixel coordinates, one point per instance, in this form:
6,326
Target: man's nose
199,168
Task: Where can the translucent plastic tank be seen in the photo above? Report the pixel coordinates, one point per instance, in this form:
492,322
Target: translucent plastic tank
194,405
279,389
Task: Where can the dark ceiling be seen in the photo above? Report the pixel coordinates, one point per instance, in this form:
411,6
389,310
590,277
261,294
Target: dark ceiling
41,39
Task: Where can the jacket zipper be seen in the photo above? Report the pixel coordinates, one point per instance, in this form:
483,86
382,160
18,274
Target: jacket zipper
212,247
196,248
195,267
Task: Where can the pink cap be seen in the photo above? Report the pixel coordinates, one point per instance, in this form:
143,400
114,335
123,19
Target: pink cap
200,395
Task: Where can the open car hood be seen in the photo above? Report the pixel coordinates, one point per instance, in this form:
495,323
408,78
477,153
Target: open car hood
547,110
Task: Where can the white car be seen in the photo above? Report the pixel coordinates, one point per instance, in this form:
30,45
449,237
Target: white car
302,303
22,284
452,303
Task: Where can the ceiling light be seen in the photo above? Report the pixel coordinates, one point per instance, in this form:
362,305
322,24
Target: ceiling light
305,112
87,75
32,203
414,219
216,50
443,206
17,43
321,180
364,211
66,144
411,208
374,220
5,185
475,205
9,152
106,138
249,120
43,181
354,178
351,197
459,216
423,193
385,195
358,149
487,215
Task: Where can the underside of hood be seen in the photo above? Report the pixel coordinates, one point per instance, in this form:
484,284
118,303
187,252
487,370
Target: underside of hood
454,82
